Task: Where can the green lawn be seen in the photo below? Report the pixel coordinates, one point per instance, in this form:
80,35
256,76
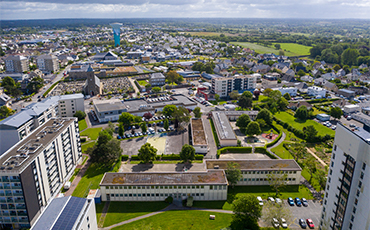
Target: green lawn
99,209
142,82
121,211
263,98
82,125
167,162
93,133
85,146
282,152
295,48
90,180
299,124
181,220
262,191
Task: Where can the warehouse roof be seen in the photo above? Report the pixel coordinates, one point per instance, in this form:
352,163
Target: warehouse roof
262,164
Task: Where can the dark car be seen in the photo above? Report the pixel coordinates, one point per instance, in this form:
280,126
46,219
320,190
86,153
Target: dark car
302,223
290,201
298,201
304,202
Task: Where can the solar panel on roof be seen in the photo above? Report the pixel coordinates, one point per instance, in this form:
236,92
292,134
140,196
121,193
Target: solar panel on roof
68,217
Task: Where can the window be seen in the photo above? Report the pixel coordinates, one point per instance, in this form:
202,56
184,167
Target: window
350,225
329,179
335,147
358,193
87,218
362,175
332,164
363,166
211,187
327,188
333,155
352,218
359,184
325,202
354,209
356,201
331,171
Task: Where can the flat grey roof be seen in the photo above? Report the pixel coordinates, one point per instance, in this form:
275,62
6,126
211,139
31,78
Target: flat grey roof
164,178
223,127
262,164
109,105
26,150
238,113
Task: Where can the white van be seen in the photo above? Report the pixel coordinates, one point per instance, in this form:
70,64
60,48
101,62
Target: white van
67,185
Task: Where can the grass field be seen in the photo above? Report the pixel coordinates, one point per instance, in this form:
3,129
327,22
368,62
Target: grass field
82,125
295,48
262,191
292,49
142,82
90,180
93,133
85,146
181,220
99,209
298,124
121,211
282,152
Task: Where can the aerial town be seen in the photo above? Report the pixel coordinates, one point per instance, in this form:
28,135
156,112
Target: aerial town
154,125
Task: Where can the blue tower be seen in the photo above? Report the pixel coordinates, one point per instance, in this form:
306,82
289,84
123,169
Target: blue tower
116,32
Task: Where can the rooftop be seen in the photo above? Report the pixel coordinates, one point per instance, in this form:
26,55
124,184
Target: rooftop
26,150
198,134
164,178
263,164
223,127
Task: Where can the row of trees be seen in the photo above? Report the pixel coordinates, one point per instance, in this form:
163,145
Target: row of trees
250,128
148,153
13,88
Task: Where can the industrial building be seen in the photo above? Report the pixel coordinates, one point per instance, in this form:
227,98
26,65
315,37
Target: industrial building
225,85
34,170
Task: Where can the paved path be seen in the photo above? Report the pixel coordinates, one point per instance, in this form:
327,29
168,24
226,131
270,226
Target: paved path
317,158
211,141
78,177
103,214
133,84
276,144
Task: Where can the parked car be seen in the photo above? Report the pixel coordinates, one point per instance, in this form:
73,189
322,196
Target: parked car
260,201
352,125
302,223
349,118
271,199
290,201
304,202
278,200
275,223
333,127
283,223
298,201
310,223
118,137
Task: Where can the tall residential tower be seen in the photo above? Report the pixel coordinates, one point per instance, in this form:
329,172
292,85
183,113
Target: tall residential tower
116,32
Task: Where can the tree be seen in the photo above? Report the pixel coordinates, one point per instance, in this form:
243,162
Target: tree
172,76
336,67
180,115
5,111
349,57
281,53
320,176
143,127
265,115
301,113
287,96
267,92
300,151
246,211
277,180
282,103
336,112
277,46
11,87
234,95
104,137
274,96
311,165
197,112
126,119
233,173
168,110
217,97
107,150
187,153
121,129
301,73
148,115
274,210
80,115
156,89
35,84
147,153
166,124
245,102
243,121
310,133
247,94
261,122
253,128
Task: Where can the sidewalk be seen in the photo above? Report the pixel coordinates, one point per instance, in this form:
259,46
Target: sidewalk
78,177
317,158
277,144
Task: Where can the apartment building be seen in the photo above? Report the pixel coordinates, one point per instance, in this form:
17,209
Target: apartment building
17,64
157,79
156,186
225,85
292,91
22,124
34,170
47,63
69,213
347,198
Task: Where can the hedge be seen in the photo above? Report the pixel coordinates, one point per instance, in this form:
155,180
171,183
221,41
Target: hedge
263,150
322,100
167,157
117,165
234,150
51,87
135,158
83,139
214,133
199,157
171,157
124,157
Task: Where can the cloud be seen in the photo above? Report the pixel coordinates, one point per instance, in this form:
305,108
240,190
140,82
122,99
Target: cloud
120,2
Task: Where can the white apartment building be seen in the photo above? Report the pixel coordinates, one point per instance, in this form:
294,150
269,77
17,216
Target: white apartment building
20,125
198,136
69,213
292,91
347,198
34,170
47,63
225,85
157,186
316,91
16,64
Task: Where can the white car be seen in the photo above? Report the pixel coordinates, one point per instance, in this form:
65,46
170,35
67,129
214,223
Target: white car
283,223
271,199
260,201
278,201
275,223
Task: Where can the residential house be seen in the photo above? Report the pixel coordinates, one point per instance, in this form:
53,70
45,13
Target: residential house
329,76
295,105
307,78
330,86
341,73
359,90
157,79
5,100
316,91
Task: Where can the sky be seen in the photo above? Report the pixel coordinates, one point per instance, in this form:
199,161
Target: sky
46,9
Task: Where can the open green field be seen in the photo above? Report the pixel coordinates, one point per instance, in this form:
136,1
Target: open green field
181,220
93,133
99,209
121,211
82,125
282,152
262,191
142,82
299,124
85,146
295,48
90,180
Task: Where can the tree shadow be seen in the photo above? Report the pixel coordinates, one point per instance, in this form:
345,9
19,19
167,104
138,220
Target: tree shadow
300,121
182,166
142,167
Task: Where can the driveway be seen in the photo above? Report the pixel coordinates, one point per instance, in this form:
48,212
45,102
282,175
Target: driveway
132,146
312,211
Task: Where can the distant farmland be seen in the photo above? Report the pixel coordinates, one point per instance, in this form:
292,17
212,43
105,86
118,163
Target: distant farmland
290,49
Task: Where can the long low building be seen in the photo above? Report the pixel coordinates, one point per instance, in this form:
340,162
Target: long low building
256,172
157,186
198,136
221,120
110,110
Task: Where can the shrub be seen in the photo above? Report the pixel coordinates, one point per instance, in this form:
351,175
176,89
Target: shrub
169,200
124,157
135,158
260,150
83,139
234,150
199,157
171,157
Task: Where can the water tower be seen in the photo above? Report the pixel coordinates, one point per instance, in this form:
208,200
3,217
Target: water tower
116,32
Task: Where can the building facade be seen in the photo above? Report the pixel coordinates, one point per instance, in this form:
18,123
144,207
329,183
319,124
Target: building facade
225,85
157,79
34,170
17,64
47,63
292,91
70,104
316,91
347,198
157,186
